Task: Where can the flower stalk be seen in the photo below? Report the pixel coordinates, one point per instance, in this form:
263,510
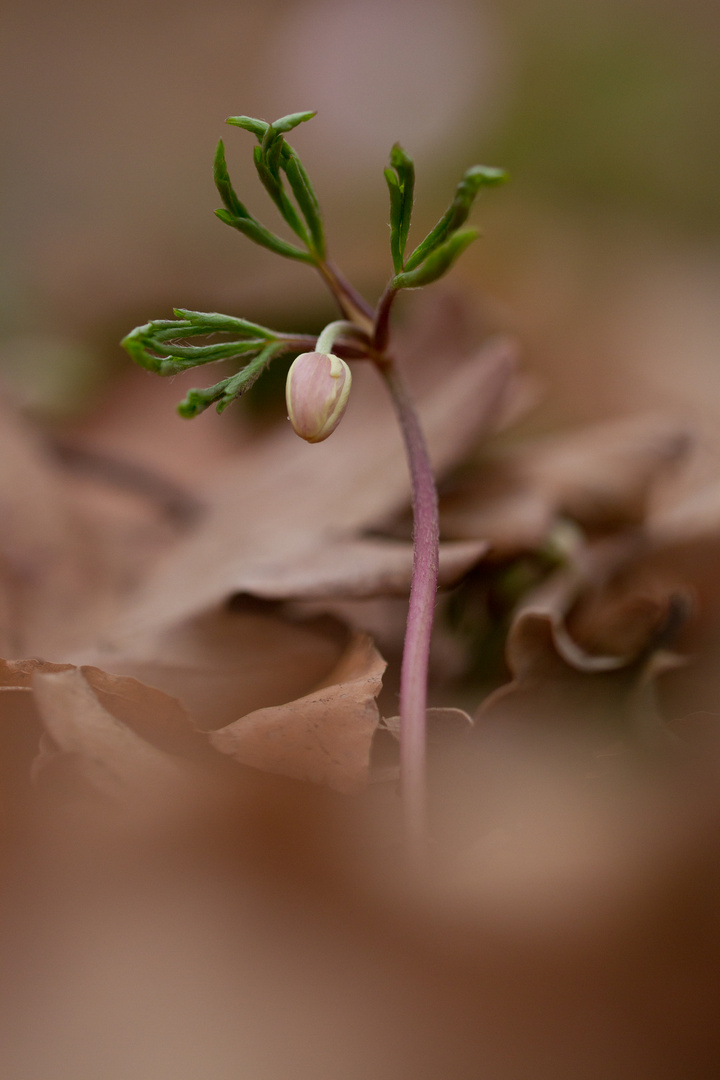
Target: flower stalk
419,627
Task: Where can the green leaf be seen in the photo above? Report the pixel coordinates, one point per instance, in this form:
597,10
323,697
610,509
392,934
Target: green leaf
198,400
274,155
457,213
303,191
259,127
224,392
177,358
157,346
274,188
212,322
271,151
400,177
237,211
405,168
164,359
287,123
262,236
395,218
437,263
224,186
135,346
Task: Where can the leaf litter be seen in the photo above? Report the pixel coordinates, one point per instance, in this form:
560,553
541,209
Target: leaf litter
186,684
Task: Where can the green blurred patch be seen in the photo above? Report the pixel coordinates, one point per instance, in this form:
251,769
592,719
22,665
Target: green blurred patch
616,105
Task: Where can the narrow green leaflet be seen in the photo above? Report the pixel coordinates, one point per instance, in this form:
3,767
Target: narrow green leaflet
236,212
457,213
182,357
287,123
224,392
212,322
156,345
400,177
272,157
247,123
270,179
224,186
262,236
259,127
437,262
270,150
303,191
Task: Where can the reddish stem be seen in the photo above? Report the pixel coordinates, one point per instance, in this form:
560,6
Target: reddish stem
414,672
354,306
382,319
423,588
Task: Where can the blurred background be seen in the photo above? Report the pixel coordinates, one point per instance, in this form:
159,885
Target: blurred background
603,255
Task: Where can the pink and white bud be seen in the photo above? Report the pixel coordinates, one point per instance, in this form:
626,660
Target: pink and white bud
317,390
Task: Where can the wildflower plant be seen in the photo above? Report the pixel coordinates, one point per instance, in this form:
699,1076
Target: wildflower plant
319,379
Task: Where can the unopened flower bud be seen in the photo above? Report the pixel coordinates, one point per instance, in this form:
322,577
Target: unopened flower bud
317,389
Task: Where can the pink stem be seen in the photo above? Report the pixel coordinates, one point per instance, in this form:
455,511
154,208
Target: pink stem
414,672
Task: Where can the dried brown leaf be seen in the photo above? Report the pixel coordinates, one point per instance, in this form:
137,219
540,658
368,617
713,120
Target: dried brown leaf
230,661
70,550
358,569
324,737
683,544
153,715
558,686
43,563
441,722
600,476
110,757
137,749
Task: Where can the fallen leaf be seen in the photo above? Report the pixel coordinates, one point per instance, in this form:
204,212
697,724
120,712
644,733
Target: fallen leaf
683,543
558,686
153,715
44,563
228,662
601,477
324,737
137,748
113,760
442,723
70,550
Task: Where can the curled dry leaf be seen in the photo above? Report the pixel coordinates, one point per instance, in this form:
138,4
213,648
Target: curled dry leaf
153,715
558,686
112,759
20,732
324,737
137,747
99,736
553,805
613,619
